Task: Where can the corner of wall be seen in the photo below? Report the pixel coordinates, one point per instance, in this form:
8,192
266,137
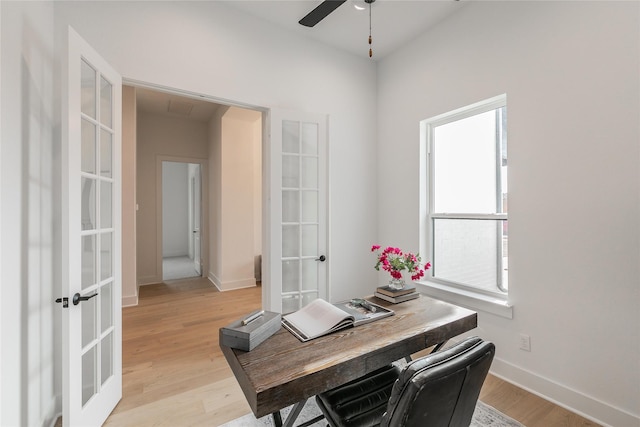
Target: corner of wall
231,285
216,282
130,301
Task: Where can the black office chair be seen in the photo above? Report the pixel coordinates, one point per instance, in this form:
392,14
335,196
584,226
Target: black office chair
440,389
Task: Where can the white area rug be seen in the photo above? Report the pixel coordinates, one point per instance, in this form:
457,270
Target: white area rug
484,415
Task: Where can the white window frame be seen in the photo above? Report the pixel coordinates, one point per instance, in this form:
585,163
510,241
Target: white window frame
463,294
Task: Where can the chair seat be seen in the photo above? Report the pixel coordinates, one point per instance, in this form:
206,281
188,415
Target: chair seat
361,402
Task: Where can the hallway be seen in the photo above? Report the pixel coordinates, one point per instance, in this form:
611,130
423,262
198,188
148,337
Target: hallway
179,267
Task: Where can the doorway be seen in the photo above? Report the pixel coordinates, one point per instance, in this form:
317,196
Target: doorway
181,217
226,143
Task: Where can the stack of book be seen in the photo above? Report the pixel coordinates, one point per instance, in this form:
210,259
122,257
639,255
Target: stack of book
397,295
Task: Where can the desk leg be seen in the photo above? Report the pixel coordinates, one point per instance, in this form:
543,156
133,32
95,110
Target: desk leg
436,347
277,419
293,415
439,346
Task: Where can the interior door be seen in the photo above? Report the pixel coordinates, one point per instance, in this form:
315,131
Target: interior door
297,207
92,321
196,193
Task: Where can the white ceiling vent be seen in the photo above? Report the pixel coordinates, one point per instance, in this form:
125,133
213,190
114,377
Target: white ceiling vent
181,108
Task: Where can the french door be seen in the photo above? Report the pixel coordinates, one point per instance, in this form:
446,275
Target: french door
92,320
297,257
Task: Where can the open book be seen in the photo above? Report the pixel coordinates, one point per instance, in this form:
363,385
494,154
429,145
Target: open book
320,317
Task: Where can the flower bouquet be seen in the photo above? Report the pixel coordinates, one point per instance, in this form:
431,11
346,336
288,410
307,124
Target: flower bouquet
394,261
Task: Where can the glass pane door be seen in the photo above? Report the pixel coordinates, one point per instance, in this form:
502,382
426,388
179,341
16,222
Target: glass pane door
91,237
300,190
96,230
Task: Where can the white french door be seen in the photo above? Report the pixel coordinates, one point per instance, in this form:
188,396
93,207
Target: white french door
297,256
92,314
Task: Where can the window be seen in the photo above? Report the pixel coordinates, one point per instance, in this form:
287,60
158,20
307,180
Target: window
467,197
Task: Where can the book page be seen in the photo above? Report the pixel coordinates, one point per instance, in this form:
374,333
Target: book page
362,315
317,318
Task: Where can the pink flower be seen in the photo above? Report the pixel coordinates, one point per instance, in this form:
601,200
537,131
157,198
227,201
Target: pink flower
418,275
394,261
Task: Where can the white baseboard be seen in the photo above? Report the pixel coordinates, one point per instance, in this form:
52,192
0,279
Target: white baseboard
214,279
573,400
231,285
130,300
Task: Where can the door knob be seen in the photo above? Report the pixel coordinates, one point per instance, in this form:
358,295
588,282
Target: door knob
322,258
77,298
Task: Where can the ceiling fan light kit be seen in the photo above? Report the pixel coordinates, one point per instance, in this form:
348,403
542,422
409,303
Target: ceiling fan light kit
326,7
359,4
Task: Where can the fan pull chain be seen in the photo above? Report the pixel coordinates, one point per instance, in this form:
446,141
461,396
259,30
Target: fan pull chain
370,50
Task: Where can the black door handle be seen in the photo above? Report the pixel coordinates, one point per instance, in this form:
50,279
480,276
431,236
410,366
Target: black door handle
322,258
64,301
77,298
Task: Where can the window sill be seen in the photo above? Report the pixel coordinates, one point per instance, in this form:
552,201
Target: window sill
468,299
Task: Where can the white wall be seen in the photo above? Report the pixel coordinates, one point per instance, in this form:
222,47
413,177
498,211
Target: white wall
215,193
571,74
175,209
208,48
238,197
160,137
257,185
30,245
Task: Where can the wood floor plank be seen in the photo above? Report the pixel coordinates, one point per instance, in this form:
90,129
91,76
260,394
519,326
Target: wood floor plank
174,373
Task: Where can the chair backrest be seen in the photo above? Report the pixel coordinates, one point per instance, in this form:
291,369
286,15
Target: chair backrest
440,389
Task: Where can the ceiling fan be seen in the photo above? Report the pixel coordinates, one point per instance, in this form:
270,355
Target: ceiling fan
322,11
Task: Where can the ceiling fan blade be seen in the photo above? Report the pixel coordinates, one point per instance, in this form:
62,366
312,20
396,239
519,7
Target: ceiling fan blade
320,12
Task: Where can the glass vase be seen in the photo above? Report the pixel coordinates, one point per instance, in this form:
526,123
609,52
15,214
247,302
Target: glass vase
396,284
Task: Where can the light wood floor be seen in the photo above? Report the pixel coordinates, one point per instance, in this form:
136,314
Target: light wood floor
174,373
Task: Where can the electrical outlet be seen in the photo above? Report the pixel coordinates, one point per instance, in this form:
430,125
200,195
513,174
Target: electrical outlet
525,342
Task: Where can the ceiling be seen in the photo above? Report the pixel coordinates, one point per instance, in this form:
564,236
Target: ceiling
394,22
163,103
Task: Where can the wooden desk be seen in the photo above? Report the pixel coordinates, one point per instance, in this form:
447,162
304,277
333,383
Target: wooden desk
283,371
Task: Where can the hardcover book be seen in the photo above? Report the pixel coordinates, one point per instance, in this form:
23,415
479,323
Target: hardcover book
320,317
408,288
399,298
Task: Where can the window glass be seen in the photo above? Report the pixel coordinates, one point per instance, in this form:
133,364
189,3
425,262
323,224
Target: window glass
467,218
464,167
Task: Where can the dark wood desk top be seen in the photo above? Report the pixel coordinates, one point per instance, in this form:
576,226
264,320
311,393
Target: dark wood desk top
282,370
